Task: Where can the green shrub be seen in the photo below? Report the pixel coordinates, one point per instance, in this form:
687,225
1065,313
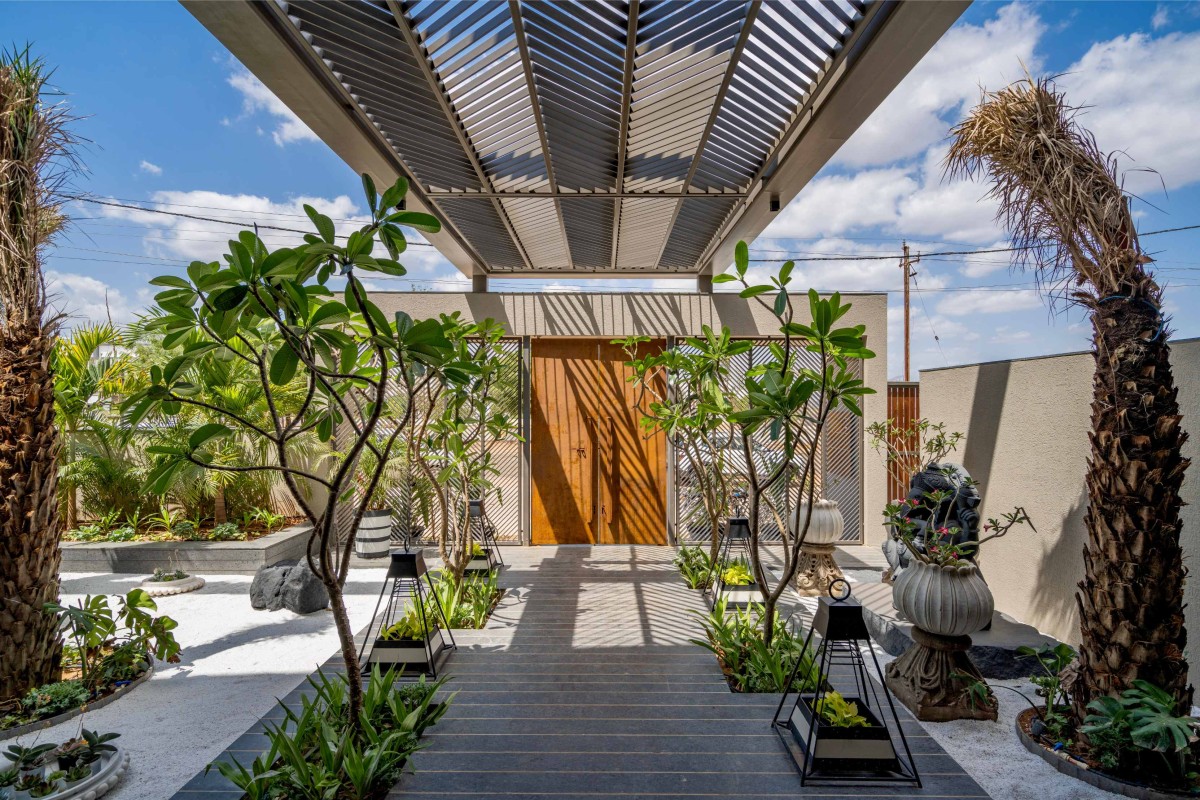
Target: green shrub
695,566
735,637
227,532
54,698
1140,734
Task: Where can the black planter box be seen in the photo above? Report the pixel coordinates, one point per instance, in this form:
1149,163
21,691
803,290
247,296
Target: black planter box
481,563
411,654
840,751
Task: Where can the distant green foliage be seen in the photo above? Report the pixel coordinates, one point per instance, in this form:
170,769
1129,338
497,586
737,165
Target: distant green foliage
54,698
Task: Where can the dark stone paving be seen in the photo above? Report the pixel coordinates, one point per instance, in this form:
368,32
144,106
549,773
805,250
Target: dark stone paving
585,685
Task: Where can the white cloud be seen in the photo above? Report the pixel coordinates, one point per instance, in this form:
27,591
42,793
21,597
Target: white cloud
257,97
1161,18
942,85
987,301
82,299
153,169
1140,92
840,204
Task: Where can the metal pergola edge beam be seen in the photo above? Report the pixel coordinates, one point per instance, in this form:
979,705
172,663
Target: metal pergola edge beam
874,62
262,43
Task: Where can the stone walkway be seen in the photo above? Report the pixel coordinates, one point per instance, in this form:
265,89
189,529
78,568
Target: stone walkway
584,685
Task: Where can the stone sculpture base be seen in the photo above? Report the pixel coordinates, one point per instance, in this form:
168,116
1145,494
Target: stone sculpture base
934,679
817,570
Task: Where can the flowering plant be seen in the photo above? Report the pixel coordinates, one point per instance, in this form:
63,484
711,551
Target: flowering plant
938,543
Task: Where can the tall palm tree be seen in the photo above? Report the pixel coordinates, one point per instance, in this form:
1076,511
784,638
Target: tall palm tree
35,150
1061,198
85,379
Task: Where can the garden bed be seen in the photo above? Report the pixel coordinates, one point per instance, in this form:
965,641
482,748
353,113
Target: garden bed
217,558
1081,769
109,695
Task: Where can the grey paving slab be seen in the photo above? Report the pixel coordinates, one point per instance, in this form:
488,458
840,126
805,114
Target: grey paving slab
585,685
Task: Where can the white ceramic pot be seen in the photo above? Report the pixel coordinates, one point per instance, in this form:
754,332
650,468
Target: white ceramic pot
826,526
947,601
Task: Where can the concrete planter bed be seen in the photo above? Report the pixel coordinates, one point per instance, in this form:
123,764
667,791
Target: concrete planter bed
213,558
838,751
411,654
1070,765
101,702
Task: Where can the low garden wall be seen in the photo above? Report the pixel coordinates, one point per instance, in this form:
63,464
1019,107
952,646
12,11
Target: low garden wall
212,558
1026,423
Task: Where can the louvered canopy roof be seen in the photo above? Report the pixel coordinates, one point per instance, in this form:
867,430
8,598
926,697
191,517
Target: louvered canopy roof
601,138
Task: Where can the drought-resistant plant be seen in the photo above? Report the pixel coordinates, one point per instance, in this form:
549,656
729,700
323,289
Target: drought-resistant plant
907,446
695,565
163,575
35,160
317,754
1062,201
275,312
8,777
97,744
750,664
78,772
28,758
839,712
54,698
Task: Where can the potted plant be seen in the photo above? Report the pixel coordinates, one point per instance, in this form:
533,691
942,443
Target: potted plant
736,585
481,559
412,641
817,568
946,598
847,737
372,538
71,753
78,773
168,582
30,760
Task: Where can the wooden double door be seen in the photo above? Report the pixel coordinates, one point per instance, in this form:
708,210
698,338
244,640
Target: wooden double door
598,478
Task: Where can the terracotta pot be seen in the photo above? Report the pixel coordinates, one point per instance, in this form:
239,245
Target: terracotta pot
826,526
947,601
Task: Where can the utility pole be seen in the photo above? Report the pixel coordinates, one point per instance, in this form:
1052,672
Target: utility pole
909,272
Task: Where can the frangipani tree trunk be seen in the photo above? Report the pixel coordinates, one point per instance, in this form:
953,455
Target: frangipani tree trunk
1063,204
34,150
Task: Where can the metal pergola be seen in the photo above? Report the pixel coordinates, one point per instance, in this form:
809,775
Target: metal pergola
603,138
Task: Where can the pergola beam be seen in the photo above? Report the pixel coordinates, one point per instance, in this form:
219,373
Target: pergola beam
623,136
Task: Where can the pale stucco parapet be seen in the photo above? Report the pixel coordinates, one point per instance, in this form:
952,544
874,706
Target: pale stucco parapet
1026,424
610,315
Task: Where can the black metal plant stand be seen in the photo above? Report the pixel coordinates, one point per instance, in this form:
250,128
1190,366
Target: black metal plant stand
831,754
408,585
484,532
735,538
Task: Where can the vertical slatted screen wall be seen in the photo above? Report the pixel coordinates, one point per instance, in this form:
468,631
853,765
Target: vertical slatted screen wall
839,469
903,409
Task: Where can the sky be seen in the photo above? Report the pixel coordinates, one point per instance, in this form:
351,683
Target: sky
171,121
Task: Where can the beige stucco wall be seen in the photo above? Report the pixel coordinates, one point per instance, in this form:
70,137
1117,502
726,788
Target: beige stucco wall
609,315
1026,425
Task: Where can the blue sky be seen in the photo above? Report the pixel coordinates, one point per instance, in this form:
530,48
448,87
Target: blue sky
173,122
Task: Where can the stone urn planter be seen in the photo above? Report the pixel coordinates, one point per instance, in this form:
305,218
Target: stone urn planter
934,677
374,534
817,568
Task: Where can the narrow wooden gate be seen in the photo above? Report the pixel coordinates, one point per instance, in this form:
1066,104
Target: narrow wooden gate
597,479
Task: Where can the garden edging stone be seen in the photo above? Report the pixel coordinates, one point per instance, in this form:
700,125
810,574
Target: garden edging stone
49,722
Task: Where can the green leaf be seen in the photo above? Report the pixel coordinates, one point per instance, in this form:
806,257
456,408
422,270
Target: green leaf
416,219
229,299
283,365
323,224
206,433
369,190
173,281
755,291
329,314
781,302
741,257
724,277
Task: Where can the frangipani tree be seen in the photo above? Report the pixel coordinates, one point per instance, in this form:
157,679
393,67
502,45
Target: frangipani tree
1061,199
686,394
790,400
276,311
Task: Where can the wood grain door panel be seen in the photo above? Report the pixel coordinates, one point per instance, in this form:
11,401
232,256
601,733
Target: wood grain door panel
597,479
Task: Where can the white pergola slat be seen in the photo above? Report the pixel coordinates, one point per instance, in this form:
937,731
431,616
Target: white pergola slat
601,137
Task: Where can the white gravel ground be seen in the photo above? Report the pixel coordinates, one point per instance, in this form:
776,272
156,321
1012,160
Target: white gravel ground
236,661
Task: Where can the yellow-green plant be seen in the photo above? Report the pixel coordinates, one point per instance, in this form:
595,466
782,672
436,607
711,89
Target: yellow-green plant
840,712
737,574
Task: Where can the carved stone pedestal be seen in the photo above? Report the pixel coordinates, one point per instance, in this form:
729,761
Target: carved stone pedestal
937,681
817,569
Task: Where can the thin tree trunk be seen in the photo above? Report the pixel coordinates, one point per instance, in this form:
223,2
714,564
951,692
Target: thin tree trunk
1131,597
30,526
220,512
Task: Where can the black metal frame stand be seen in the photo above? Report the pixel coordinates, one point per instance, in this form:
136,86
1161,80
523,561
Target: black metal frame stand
843,632
484,532
735,533
404,575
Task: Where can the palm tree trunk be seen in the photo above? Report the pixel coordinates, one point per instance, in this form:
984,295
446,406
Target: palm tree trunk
30,650
1131,597
220,513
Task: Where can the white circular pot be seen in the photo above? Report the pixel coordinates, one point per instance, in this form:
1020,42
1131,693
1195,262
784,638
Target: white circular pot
826,526
947,601
373,538
166,588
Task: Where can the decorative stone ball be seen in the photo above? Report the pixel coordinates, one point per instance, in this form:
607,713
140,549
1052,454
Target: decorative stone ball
826,525
947,601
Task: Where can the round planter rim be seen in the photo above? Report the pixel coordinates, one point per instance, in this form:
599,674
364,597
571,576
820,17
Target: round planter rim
50,722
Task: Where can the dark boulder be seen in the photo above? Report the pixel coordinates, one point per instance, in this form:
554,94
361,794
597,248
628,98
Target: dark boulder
288,584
